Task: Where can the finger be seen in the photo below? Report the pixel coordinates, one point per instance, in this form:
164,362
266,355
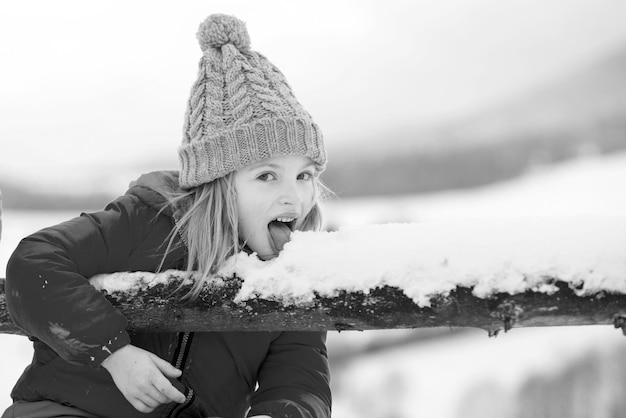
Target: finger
158,397
141,406
166,389
149,401
166,368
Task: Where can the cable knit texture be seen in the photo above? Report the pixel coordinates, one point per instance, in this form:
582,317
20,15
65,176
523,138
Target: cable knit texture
241,109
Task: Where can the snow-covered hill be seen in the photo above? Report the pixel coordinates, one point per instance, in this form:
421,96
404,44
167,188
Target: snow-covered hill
588,186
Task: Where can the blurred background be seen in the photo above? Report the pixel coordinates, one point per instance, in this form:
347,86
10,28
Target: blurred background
430,110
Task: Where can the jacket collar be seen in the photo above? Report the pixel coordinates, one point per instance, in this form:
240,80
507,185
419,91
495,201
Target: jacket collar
154,189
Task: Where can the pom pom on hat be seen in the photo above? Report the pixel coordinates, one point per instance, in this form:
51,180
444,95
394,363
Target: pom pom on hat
218,30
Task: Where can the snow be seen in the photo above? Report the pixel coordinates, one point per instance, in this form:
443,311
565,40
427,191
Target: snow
431,258
439,379
131,283
428,259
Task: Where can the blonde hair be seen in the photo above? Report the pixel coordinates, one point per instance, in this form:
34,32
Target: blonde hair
207,222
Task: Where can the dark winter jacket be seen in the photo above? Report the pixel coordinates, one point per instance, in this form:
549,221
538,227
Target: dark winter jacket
74,328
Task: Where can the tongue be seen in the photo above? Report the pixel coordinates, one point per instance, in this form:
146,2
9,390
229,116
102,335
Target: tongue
280,234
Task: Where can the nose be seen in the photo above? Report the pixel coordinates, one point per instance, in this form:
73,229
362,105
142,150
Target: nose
290,194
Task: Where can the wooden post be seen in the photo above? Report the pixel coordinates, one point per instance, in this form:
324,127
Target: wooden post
159,309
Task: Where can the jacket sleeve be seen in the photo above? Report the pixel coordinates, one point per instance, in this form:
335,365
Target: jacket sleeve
294,380
47,288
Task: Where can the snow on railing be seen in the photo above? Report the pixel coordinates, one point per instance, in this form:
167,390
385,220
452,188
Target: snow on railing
490,274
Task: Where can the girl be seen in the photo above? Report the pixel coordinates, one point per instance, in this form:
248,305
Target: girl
249,165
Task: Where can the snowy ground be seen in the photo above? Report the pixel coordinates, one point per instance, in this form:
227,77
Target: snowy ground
430,379
436,378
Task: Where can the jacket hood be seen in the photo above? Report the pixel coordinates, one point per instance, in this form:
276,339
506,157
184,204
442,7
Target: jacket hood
154,188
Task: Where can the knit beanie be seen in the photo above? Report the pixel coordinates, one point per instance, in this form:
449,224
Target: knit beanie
241,109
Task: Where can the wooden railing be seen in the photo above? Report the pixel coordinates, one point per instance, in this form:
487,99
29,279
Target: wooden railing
160,309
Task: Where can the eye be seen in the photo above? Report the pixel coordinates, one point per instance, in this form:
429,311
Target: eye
305,175
266,177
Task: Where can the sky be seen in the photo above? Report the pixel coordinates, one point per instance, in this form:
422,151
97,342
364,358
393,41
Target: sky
94,93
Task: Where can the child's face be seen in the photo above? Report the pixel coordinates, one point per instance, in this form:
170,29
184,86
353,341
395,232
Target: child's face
277,189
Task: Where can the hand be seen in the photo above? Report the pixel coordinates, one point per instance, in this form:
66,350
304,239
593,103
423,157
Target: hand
142,377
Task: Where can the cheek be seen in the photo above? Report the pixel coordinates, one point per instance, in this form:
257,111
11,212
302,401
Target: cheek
243,218
244,229
247,219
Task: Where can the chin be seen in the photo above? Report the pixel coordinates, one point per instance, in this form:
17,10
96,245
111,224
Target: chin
264,253
266,257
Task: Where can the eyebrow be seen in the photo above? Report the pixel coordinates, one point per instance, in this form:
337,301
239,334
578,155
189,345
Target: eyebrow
265,165
262,165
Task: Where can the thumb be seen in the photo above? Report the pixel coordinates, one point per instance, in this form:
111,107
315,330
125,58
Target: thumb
166,368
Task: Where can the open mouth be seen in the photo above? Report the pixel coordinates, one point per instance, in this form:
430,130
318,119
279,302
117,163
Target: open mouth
280,232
